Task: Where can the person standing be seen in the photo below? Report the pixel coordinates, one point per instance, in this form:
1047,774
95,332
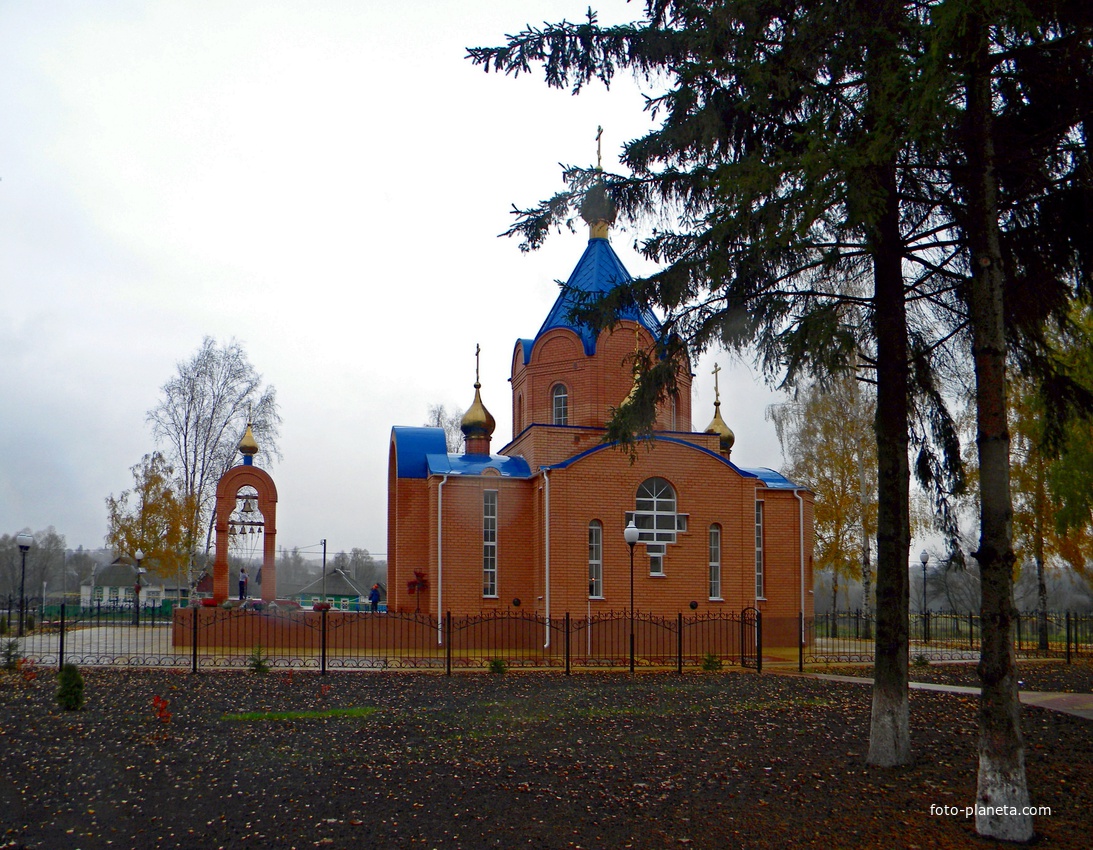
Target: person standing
242,583
374,598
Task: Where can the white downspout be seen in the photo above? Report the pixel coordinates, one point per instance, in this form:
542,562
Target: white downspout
546,551
440,561
801,534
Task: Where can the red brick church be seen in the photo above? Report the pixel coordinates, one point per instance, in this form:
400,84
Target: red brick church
539,525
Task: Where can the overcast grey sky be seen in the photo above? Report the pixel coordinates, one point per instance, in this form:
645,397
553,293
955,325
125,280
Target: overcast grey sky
324,182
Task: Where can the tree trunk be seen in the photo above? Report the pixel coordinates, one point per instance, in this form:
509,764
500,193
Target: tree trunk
889,729
1002,788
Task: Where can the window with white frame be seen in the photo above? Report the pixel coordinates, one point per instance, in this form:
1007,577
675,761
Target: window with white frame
560,400
489,543
758,550
715,561
656,516
595,559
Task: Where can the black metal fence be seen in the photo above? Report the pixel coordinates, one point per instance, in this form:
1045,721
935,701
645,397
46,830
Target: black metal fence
848,636
215,637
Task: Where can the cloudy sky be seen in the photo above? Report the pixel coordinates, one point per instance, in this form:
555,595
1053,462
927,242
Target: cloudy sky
324,182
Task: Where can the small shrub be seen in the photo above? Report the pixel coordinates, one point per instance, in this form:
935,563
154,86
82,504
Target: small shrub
3,625
257,662
711,663
497,665
30,622
921,661
70,688
10,654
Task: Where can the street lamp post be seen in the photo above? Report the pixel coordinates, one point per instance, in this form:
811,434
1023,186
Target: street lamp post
924,556
630,534
23,541
138,556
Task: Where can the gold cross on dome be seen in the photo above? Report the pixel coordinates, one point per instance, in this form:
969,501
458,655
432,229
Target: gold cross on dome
599,157
477,351
716,389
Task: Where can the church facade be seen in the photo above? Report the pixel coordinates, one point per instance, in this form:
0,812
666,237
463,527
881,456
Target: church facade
539,525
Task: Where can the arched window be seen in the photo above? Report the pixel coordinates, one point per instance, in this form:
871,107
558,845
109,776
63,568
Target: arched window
657,521
715,561
560,400
595,559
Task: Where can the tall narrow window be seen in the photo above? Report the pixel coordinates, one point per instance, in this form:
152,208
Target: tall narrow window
595,559
560,397
489,543
715,562
758,550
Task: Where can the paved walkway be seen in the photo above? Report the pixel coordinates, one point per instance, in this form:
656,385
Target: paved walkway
1079,705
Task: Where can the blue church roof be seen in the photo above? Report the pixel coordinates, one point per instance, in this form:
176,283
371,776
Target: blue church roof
598,272
449,464
423,451
773,480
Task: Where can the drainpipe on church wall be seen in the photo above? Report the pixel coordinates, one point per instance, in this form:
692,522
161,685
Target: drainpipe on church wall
546,551
440,561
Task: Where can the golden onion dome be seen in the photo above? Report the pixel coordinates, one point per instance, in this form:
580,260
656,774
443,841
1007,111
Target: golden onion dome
248,445
598,210
717,426
477,421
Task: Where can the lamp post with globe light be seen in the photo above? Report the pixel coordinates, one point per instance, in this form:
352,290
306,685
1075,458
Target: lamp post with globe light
23,541
630,535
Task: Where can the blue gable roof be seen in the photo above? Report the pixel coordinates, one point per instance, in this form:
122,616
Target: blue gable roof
421,452
598,272
773,480
449,464
412,445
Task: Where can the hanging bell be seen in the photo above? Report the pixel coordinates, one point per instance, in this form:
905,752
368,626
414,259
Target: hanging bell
231,529
248,506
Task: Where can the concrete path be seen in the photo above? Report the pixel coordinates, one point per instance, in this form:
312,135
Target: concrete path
1079,705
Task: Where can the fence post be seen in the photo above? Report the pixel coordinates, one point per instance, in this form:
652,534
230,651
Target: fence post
448,642
1067,637
193,643
679,642
801,644
1018,631
322,651
758,641
567,670
61,646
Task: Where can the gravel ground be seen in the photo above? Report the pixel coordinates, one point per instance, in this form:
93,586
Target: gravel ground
160,759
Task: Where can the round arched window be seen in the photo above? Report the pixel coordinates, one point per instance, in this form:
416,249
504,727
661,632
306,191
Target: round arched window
560,400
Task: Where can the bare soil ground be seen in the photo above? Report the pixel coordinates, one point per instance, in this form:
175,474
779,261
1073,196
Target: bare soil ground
478,760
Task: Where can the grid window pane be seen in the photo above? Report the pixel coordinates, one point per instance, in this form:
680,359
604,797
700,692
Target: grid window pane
759,550
560,396
715,562
595,559
489,543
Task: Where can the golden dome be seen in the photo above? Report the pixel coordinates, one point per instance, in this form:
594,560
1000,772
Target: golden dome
477,421
717,426
598,210
248,445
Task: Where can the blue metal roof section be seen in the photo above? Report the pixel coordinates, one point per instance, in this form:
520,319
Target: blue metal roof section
421,452
411,447
448,464
598,272
773,480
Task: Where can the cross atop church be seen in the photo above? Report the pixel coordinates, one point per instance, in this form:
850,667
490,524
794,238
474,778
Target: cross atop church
599,158
716,389
477,351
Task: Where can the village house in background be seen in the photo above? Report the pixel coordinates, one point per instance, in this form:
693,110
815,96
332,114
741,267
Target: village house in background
539,526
